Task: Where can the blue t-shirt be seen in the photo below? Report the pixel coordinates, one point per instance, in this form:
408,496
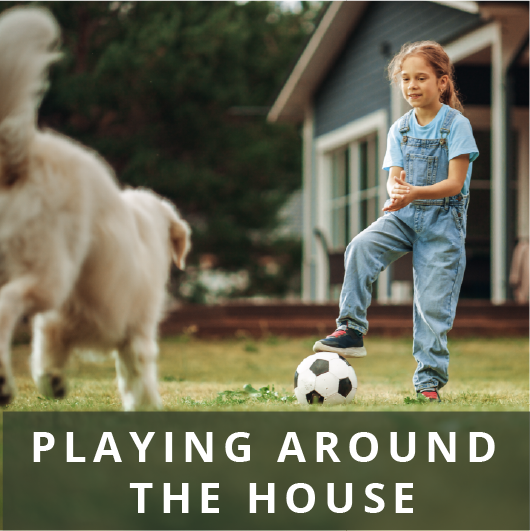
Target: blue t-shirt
459,141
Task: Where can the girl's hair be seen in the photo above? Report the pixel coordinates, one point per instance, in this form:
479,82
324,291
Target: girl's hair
439,61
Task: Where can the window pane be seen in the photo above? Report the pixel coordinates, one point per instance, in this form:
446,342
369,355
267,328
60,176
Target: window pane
364,215
339,220
368,181
372,210
340,189
363,165
340,181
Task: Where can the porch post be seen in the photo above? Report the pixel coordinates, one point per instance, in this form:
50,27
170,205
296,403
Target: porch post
307,187
498,171
323,173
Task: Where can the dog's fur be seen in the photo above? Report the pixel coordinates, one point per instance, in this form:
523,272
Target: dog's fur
90,262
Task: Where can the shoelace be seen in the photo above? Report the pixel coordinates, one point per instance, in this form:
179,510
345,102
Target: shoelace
338,333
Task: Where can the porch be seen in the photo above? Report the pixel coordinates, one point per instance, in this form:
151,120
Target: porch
473,319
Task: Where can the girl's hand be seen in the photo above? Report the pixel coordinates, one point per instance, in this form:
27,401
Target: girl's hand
401,195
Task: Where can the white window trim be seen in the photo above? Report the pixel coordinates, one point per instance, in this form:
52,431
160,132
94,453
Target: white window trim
376,122
472,42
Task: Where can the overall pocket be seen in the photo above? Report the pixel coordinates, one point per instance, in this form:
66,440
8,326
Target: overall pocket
421,170
459,216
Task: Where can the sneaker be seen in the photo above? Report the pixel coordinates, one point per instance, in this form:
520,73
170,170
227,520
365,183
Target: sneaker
344,341
431,394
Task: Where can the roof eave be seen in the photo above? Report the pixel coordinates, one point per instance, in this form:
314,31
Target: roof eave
324,46
322,49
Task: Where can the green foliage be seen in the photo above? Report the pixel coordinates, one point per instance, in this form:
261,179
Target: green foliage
163,90
419,400
266,394
247,396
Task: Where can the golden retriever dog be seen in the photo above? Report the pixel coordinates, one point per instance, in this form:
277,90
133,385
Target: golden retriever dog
88,261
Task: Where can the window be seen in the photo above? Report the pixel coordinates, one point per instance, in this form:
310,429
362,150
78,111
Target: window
348,195
340,199
368,183
355,194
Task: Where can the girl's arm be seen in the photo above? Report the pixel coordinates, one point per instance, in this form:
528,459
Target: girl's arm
403,193
394,172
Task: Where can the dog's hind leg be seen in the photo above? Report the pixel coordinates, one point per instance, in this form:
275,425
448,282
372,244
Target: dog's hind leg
22,296
136,366
50,351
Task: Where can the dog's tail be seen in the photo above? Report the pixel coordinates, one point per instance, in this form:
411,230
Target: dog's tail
179,234
28,41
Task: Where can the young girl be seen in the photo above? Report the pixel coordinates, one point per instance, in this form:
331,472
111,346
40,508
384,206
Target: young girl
429,155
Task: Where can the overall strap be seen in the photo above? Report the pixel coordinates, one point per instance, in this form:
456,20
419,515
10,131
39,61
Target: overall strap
444,133
446,126
404,122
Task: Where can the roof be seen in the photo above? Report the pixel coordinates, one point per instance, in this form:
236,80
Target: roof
326,43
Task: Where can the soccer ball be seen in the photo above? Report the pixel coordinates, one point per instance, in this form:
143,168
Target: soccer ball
325,378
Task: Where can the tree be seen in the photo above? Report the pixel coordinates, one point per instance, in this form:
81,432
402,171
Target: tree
157,88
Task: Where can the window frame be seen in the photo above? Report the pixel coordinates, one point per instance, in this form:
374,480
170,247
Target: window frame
374,125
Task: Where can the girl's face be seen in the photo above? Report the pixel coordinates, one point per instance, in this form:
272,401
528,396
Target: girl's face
420,86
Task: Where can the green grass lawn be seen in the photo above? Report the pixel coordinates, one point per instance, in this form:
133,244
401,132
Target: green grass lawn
486,375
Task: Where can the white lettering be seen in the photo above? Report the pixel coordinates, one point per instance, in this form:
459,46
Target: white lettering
393,447
321,447
310,498
450,455
242,448
400,497
142,446
206,497
113,451
70,449
184,498
191,439
38,448
269,498
141,494
169,447
473,436
331,499
297,451
353,447
369,494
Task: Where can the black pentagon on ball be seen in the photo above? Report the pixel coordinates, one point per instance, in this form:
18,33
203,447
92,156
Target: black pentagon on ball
344,360
319,367
295,379
345,387
314,398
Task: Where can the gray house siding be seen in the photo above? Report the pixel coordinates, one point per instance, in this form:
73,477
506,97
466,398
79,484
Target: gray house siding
357,83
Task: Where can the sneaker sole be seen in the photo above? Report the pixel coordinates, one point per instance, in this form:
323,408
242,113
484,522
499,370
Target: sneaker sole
352,352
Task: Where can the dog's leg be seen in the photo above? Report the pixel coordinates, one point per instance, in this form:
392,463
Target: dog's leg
137,374
50,351
17,298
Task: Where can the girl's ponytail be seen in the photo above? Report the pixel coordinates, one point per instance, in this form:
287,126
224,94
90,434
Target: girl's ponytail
450,96
437,57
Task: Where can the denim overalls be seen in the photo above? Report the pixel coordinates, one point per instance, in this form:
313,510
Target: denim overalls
434,230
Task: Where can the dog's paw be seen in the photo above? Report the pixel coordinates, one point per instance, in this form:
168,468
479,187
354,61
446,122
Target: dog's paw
58,387
6,391
52,385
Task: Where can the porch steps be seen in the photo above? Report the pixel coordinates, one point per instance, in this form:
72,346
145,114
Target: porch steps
473,319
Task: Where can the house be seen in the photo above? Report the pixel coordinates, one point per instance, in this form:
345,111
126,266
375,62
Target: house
339,91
